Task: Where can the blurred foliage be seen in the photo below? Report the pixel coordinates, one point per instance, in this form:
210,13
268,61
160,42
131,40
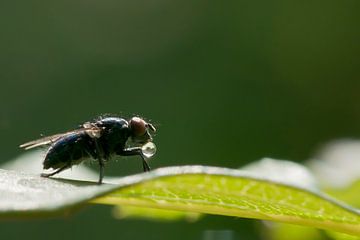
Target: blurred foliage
283,231
221,80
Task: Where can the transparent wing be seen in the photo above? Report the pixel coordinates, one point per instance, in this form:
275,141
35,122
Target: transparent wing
92,131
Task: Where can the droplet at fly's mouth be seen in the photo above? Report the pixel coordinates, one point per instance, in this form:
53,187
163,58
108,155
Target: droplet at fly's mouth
148,149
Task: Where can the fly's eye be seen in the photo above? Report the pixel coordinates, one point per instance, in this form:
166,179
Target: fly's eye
137,126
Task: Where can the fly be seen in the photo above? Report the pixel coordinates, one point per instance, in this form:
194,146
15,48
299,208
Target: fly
99,139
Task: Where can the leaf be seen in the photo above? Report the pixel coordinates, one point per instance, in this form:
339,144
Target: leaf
349,195
196,189
283,171
283,231
154,214
27,195
236,193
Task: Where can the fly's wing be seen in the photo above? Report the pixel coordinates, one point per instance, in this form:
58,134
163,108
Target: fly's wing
92,131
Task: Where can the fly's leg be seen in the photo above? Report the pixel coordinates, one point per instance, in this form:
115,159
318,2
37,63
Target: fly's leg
146,166
55,172
100,160
136,151
102,167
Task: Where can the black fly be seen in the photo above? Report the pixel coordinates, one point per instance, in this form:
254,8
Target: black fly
99,139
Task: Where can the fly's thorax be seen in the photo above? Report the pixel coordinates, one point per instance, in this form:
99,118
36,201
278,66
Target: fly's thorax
114,134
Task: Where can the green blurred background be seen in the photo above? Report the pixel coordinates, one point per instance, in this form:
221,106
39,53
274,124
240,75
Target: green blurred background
225,82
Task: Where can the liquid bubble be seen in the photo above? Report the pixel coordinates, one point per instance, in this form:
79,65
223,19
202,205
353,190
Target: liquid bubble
148,149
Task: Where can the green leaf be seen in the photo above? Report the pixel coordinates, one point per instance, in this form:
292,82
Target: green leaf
154,214
283,231
196,189
236,193
349,195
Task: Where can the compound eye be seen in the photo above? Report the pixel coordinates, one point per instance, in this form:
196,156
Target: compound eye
137,126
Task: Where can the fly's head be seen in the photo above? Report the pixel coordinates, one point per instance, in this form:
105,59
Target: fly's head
140,130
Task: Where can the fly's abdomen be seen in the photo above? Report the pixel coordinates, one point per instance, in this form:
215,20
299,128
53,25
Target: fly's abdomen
68,151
